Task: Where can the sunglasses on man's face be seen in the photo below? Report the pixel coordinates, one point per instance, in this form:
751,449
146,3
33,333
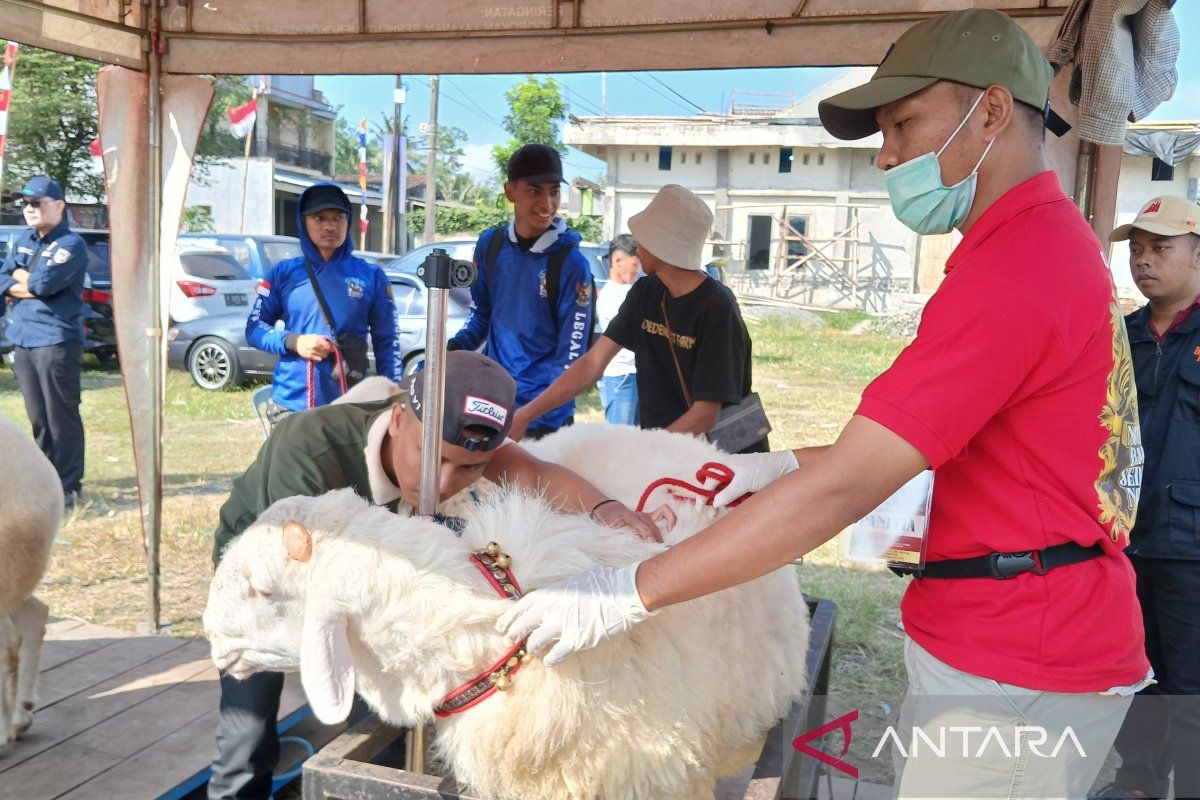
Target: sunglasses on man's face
33,202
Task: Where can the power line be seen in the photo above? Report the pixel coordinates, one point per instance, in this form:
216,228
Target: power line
654,89
663,83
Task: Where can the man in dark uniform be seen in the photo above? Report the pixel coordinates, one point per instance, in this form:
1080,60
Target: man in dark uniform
1161,735
43,278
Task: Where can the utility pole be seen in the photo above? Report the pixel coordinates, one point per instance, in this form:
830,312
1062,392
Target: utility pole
399,240
604,93
431,164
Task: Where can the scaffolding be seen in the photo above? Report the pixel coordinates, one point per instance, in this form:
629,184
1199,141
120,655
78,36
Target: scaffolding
811,272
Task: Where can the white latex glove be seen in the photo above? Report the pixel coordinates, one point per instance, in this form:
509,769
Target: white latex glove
752,472
579,612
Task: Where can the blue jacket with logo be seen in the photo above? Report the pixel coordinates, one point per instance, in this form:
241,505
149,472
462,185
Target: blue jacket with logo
512,312
1167,373
359,297
57,267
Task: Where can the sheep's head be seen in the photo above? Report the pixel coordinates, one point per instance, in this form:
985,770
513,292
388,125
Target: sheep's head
269,610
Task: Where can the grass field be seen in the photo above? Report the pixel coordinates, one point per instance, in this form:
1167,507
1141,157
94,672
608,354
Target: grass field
810,379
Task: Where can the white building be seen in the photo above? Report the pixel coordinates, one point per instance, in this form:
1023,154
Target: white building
1145,176
757,171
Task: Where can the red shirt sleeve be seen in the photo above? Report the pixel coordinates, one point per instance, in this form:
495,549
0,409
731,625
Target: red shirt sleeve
979,347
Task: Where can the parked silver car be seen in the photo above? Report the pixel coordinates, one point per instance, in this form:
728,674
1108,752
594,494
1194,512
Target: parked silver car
215,352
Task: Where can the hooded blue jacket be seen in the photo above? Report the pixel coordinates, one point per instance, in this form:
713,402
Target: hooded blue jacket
57,265
360,299
511,311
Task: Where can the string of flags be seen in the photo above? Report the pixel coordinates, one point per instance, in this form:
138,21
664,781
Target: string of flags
6,73
362,183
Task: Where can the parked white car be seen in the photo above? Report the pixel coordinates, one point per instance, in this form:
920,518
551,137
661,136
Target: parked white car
209,282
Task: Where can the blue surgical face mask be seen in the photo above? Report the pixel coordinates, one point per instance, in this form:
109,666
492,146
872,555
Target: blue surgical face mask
919,198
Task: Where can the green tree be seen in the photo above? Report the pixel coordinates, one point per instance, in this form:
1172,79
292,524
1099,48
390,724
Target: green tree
345,145
198,219
450,141
52,121
536,113
216,141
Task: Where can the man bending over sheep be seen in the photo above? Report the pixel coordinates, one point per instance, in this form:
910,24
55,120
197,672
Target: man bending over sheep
375,449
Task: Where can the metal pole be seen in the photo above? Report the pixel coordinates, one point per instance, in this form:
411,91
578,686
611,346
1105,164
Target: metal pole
153,522
1085,167
399,229
435,272
246,171
431,168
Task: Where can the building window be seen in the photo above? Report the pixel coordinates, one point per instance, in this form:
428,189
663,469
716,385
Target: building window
785,159
664,158
683,158
1161,171
752,158
632,156
646,157
806,159
820,159
766,158
797,226
698,157
758,241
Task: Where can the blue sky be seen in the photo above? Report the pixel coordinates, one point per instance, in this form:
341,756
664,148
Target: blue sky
476,103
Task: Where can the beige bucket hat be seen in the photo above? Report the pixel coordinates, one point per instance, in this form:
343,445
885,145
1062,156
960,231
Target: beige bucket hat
674,227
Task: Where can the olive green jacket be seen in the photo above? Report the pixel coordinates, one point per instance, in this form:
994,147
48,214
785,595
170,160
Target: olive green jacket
308,453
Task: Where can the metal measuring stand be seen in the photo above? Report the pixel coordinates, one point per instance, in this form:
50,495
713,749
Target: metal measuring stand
440,273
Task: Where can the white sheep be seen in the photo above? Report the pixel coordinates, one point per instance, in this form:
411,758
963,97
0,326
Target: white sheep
369,390
31,508
359,599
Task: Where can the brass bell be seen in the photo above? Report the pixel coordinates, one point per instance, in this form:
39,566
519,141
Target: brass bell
525,657
512,662
508,587
503,561
501,680
492,549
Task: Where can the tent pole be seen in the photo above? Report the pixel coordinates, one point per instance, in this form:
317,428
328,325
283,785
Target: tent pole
1085,167
154,334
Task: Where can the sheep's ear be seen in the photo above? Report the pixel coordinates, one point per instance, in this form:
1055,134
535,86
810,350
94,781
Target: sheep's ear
297,541
326,671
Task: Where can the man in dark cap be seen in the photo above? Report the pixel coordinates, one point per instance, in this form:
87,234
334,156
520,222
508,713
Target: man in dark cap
43,277
324,297
1024,641
534,295
375,449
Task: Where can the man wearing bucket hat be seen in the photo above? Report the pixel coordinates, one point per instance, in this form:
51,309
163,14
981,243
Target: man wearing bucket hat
690,345
375,449
1162,731
1023,612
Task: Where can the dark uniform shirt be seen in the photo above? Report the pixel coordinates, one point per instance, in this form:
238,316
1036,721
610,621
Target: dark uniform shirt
57,265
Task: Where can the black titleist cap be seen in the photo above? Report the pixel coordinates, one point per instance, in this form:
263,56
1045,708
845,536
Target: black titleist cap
478,393
535,163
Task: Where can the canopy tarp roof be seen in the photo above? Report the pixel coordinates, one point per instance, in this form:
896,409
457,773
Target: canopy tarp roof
466,36
150,113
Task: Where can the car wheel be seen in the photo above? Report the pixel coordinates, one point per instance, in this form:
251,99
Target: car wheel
213,364
413,362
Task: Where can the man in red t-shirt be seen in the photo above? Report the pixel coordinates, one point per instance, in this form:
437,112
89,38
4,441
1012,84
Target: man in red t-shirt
1018,391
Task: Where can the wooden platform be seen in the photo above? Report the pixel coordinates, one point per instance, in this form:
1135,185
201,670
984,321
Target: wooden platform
121,716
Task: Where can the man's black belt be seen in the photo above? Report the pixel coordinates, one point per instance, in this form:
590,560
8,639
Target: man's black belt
1003,566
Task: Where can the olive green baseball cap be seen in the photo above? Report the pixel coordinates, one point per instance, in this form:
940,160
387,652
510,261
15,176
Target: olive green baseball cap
975,47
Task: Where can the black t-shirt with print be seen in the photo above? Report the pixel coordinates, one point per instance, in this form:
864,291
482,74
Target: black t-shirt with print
711,343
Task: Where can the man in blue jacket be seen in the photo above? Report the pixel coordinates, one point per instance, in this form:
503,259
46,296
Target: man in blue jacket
357,293
1161,733
534,295
43,278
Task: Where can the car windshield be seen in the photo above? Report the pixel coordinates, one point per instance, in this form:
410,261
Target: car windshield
213,267
275,252
409,262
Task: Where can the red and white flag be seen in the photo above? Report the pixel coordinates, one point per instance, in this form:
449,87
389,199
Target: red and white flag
10,58
241,119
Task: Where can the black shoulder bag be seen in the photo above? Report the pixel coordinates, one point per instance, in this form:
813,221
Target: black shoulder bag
738,426
353,348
